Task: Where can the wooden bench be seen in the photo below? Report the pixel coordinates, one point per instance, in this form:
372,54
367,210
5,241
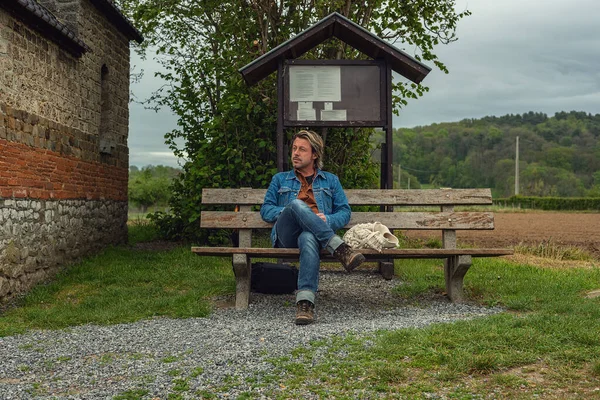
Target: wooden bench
457,260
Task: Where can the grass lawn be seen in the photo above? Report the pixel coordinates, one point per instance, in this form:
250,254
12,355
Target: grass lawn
124,284
547,344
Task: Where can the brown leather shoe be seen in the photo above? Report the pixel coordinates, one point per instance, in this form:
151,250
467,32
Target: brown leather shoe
349,258
305,312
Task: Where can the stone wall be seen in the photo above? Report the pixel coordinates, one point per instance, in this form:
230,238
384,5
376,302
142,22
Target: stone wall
37,237
38,77
63,147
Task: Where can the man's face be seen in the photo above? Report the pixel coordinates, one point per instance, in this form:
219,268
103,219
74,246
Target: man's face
302,154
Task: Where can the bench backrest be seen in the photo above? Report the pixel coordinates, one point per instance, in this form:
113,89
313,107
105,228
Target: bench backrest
444,219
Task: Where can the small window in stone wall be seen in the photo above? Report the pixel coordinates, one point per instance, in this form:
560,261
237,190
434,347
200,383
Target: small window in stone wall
106,138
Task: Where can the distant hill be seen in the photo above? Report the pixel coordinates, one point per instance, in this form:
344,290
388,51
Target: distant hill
559,155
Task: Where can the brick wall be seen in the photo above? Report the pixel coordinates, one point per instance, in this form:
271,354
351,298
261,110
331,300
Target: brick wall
63,147
27,172
41,159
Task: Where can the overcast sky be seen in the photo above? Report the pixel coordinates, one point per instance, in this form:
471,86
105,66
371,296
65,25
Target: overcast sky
512,56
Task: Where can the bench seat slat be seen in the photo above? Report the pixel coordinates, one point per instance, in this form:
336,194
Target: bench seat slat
396,220
391,197
387,253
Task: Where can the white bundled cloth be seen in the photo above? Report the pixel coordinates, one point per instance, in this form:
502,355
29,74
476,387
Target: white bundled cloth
371,236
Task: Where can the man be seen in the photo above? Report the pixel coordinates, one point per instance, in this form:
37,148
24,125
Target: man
308,205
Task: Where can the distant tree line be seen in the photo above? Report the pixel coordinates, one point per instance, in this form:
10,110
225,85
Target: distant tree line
150,186
558,156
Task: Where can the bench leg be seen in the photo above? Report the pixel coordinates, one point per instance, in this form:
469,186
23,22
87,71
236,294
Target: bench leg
386,268
455,268
242,271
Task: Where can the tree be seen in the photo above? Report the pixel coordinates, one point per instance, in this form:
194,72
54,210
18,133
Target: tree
559,157
151,185
505,178
228,129
540,180
595,189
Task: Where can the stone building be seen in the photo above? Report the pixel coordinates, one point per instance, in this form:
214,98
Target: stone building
64,95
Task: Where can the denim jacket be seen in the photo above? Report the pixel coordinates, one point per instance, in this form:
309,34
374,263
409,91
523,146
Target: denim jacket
329,195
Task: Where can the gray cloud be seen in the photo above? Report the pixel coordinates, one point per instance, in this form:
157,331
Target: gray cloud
147,128
512,56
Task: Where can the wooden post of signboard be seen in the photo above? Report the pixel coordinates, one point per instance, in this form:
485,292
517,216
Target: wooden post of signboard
280,153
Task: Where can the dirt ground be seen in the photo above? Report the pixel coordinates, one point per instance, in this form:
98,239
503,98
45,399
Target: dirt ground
567,229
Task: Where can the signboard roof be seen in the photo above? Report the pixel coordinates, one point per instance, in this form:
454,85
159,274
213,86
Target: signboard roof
335,25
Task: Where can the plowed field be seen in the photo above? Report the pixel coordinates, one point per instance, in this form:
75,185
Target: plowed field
573,229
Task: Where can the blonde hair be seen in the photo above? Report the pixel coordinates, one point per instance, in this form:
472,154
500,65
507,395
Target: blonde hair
316,143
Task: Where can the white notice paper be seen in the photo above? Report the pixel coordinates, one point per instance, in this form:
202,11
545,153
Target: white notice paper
307,114
328,106
333,115
315,83
302,84
305,105
329,84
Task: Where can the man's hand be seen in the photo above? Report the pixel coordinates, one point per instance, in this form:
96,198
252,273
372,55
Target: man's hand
322,216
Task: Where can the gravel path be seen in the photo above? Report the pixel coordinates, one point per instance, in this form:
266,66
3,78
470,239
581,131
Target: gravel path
221,354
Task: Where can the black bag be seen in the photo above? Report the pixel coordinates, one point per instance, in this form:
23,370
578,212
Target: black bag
273,278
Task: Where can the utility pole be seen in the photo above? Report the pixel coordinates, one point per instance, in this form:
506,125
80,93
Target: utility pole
517,169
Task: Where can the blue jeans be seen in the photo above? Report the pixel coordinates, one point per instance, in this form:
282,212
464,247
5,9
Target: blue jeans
299,227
